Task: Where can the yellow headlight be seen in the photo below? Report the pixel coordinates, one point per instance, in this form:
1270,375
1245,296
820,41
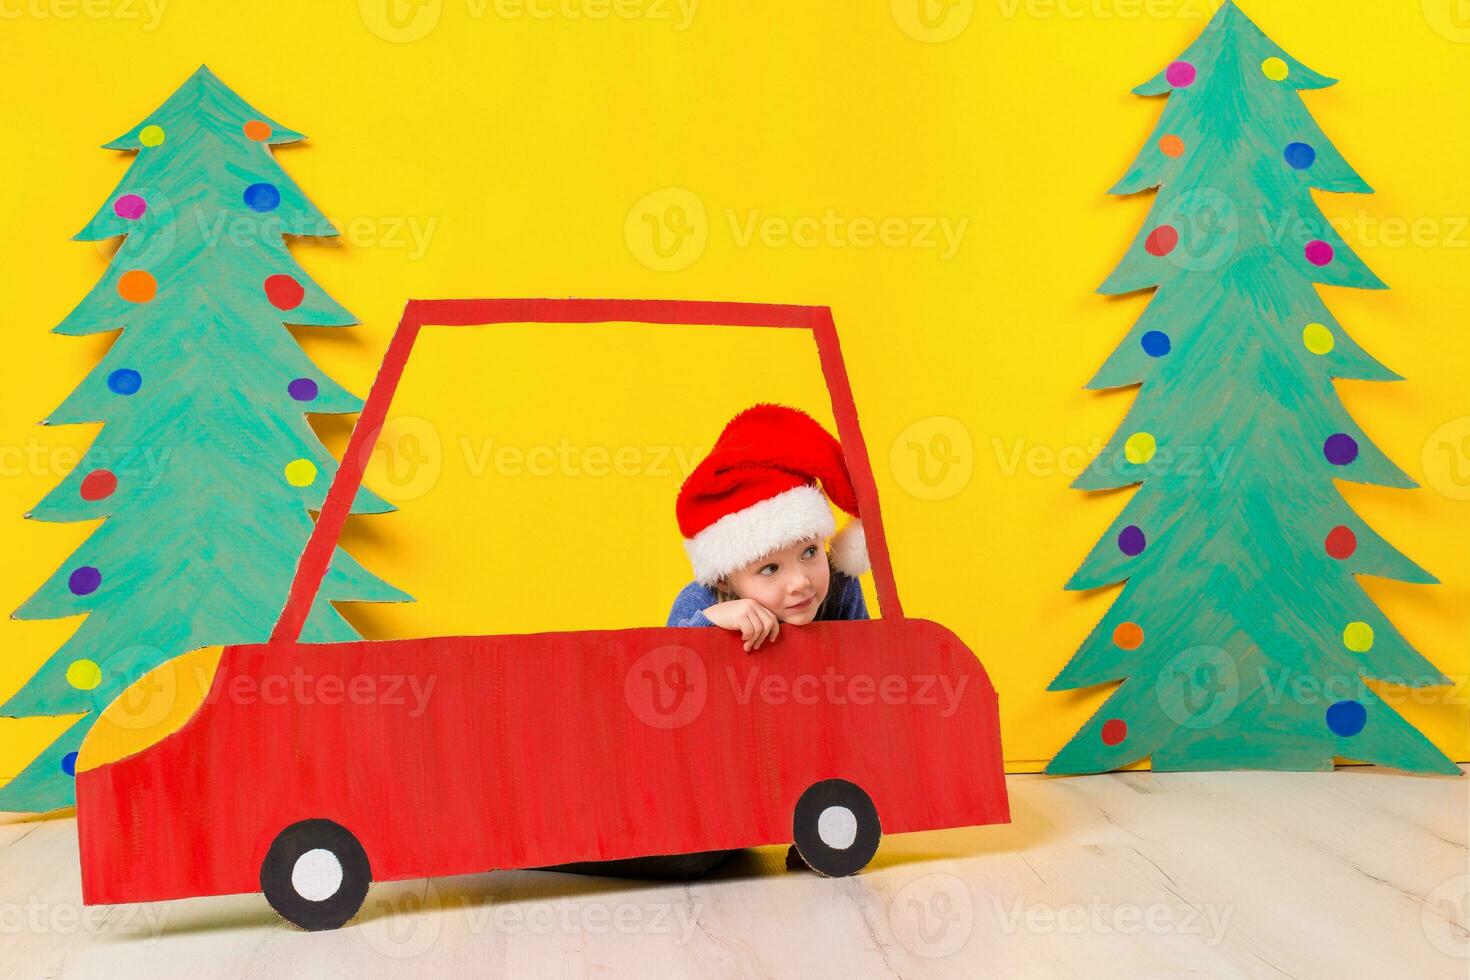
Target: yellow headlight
151,708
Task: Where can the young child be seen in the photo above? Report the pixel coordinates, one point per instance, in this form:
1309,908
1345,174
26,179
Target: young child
755,527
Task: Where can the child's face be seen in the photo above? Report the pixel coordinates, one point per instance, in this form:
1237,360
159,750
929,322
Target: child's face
791,582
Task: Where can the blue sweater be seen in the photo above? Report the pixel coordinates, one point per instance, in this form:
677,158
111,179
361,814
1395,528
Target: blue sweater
844,601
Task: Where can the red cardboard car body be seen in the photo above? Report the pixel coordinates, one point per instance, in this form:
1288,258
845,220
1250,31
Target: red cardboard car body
449,755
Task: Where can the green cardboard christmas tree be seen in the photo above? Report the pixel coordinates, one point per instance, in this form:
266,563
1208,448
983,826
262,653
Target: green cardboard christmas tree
1241,637
205,469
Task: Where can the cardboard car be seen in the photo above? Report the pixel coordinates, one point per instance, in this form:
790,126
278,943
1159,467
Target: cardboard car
307,771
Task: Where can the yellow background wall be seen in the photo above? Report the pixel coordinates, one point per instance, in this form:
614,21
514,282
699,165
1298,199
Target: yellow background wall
471,148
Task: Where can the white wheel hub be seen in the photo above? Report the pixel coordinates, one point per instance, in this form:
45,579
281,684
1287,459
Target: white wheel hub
837,827
317,875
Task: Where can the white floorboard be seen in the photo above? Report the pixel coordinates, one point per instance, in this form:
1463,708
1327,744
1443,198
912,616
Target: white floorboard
1354,873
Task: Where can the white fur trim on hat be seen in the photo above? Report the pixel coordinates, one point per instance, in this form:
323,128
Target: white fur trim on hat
736,540
850,549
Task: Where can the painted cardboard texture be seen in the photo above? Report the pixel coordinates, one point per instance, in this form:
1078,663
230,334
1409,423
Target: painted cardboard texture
972,395
205,381
518,751
1242,637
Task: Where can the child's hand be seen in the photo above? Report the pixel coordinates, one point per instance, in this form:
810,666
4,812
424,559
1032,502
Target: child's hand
755,622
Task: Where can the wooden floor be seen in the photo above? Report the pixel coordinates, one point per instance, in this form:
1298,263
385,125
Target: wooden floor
1355,873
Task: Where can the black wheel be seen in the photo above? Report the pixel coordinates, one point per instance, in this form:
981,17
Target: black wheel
836,828
315,875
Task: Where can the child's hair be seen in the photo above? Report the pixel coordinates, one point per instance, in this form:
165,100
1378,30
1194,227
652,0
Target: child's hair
721,595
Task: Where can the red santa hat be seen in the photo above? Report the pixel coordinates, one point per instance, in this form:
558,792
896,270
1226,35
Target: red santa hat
756,492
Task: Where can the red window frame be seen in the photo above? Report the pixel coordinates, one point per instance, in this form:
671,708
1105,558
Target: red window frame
320,547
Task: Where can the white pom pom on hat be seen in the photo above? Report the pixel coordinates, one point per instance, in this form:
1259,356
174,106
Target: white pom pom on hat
850,549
